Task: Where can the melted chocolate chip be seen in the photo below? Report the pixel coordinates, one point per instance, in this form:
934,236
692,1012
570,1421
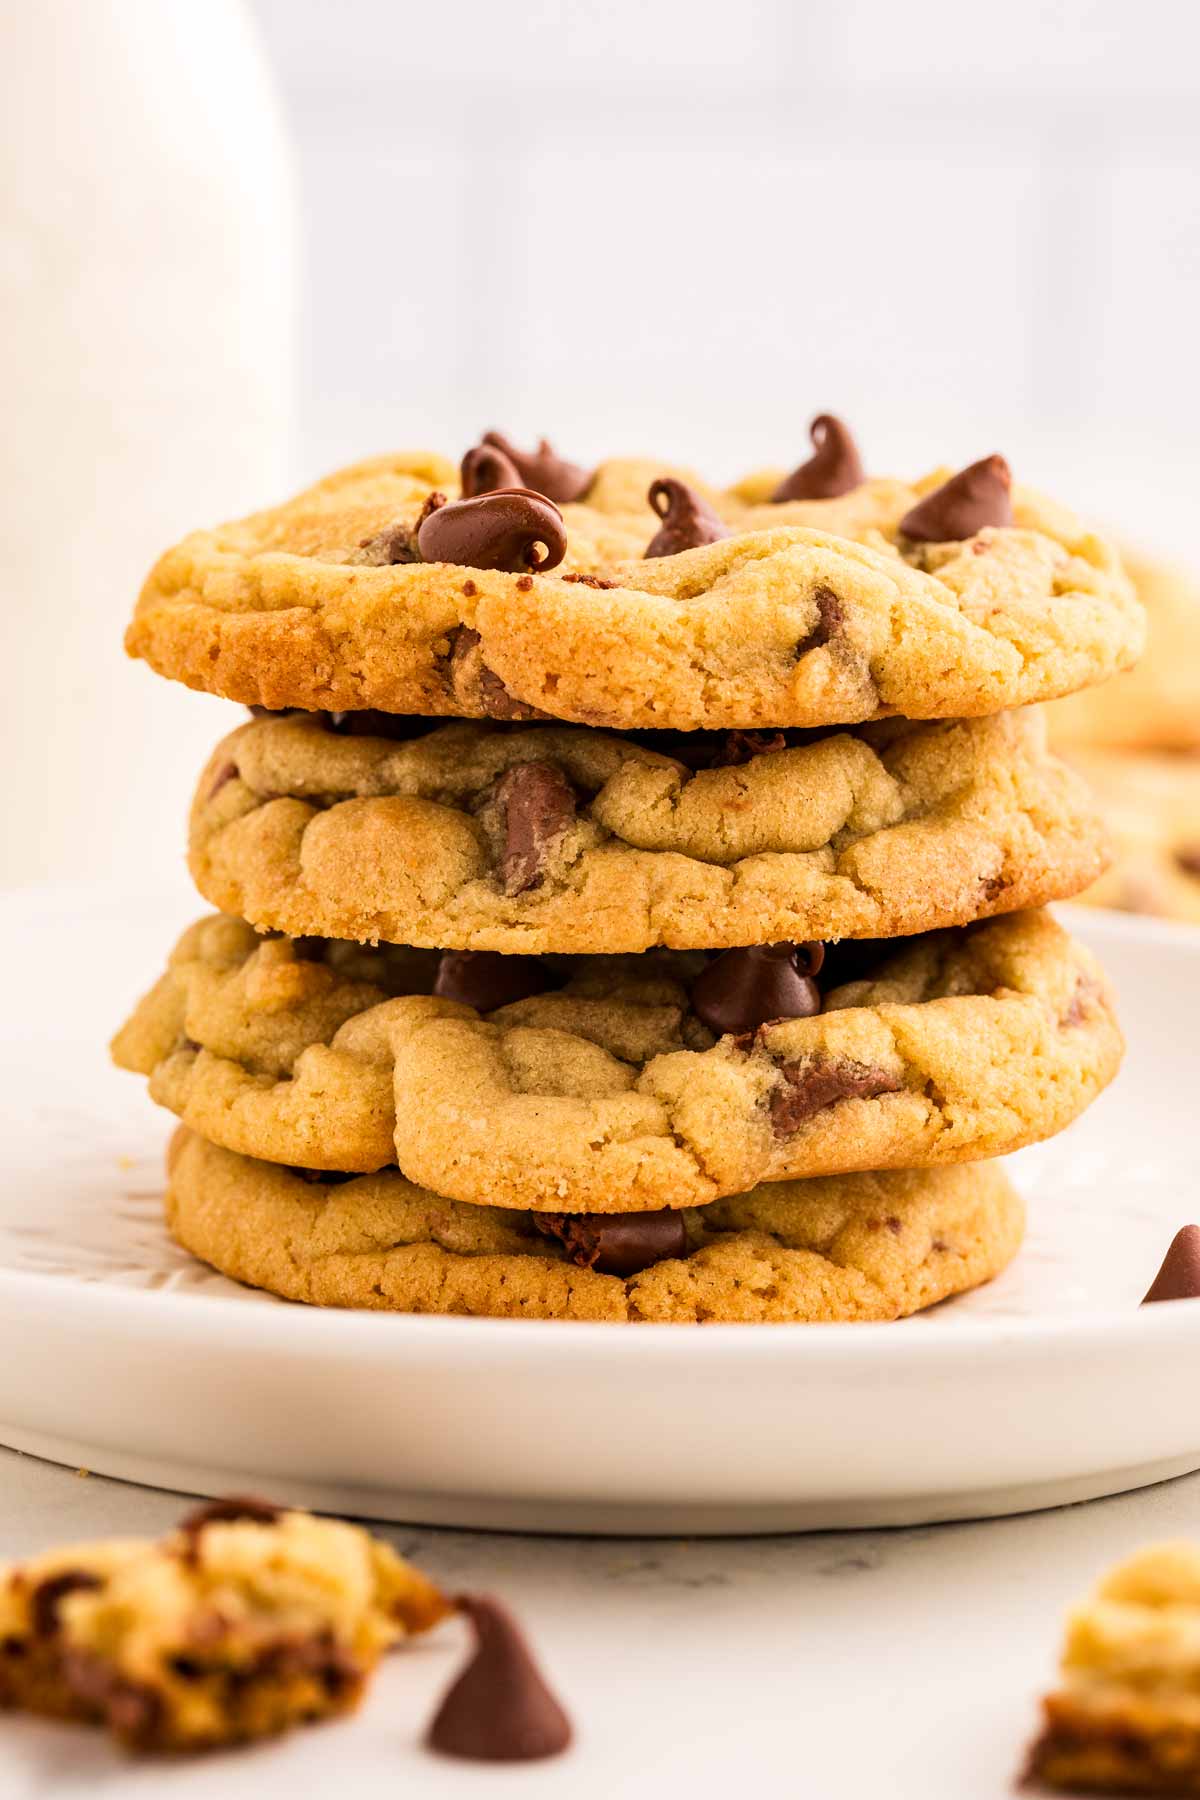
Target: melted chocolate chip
369,722
537,804
491,692
718,749
228,1510
1187,858
499,1709
687,519
320,1177
485,468
485,980
544,470
133,1711
977,496
616,1243
746,988
833,469
514,530
830,619
227,772
815,1083
46,1597
1179,1277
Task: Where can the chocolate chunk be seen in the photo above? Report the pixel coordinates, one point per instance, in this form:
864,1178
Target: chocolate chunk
227,772
813,1084
830,619
717,749
513,530
616,1243
1187,858
491,692
229,1509
398,543
486,468
485,980
744,989
1179,1277
544,470
687,519
46,1597
833,469
499,1709
741,747
977,496
369,722
133,1711
537,803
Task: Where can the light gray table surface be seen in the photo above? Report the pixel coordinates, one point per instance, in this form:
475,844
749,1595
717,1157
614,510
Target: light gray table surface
905,1662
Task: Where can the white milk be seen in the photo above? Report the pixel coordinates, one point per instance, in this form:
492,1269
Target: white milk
146,295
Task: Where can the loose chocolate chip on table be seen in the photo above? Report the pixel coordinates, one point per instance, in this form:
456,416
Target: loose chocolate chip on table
1179,1277
515,530
485,980
1187,857
46,1597
485,468
687,519
544,470
499,1709
977,496
617,1243
812,1085
833,469
537,803
746,988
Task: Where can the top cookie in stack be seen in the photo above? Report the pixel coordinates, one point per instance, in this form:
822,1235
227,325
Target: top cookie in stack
696,739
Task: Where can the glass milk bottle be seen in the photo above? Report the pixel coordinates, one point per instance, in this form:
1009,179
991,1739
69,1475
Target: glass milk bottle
146,295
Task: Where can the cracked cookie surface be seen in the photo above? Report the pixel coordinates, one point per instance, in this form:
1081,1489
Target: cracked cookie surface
246,1620
853,1247
814,613
1126,1716
605,1091
445,839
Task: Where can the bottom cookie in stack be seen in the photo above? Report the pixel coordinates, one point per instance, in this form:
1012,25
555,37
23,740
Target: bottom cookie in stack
849,1247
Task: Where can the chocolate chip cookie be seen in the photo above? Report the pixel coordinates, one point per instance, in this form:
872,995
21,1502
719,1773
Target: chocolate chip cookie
625,1084
853,1247
1151,804
385,587
530,838
246,1620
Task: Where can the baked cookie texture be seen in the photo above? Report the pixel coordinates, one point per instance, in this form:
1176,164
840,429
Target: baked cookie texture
606,1092
1126,1716
459,837
247,1620
814,613
854,1247
1155,706
1151,803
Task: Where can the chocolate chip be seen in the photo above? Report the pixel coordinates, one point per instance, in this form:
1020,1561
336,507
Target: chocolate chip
1179,1277
833,469
499,1709
490,691
544,470
743,746
1187,858
830,619
977,496
227,772
485,980
228,1510
46,1597
746,988
813,1084
524,583
717,749
537,804
687,519
370,722
320,1177
513,530
133,1711
616,1243
486,468
398,543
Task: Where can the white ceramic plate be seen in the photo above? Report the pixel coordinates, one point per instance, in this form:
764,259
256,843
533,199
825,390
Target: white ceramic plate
120,1354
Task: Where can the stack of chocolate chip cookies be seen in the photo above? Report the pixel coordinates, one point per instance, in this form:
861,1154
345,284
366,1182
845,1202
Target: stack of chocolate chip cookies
629,890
